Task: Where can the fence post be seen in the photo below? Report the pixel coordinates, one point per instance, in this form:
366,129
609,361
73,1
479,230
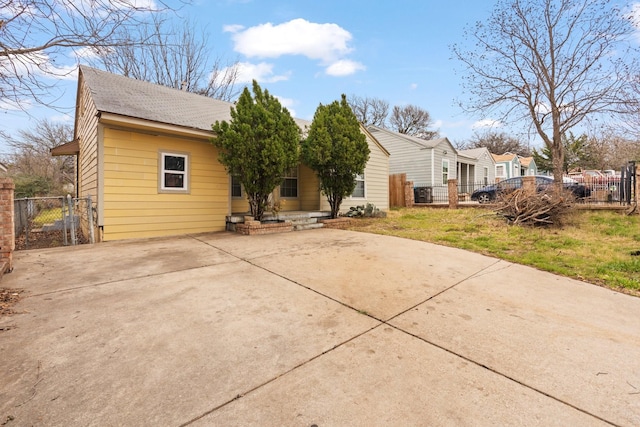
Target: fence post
529,184
90,213
7,230
453,193
65,241
408,194
72,222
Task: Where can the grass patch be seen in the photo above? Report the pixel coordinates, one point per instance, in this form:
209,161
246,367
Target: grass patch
594,246
47,216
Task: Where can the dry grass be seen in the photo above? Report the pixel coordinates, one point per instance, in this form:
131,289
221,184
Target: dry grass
598,247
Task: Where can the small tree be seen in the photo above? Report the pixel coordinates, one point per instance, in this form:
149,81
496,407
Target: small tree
336,150
259,145
578,153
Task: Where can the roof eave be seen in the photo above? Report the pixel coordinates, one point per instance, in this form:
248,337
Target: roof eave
153,126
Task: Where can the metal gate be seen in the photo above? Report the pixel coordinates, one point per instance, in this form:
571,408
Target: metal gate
45,222
628,183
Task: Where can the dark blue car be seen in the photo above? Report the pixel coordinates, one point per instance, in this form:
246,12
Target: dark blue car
489,193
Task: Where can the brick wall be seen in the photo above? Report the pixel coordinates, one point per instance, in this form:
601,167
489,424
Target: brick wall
7,234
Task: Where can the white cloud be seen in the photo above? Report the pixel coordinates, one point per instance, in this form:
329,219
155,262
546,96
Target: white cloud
486,123
344,67
413,86
61,118
325,42
288,103
88,52
37,64
262,72
634,15
438,124
232,28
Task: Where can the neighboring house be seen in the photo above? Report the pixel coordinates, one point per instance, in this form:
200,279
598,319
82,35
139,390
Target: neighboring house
427,163
476,166
528,166
144,156
507,166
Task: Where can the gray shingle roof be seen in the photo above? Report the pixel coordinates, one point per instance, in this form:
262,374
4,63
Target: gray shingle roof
424,143
473,153
121,95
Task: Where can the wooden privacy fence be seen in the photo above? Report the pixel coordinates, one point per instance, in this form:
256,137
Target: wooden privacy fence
396,189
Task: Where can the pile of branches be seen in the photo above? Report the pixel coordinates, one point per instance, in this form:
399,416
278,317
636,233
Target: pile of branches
542,208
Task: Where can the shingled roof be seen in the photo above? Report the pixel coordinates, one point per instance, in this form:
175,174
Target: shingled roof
422,143
138,99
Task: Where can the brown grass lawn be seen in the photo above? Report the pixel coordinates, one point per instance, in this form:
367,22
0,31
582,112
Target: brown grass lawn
600,247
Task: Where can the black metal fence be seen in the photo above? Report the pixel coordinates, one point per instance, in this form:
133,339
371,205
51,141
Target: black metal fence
44,222
619,189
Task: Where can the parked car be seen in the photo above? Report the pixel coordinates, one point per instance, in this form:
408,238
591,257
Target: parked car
489,193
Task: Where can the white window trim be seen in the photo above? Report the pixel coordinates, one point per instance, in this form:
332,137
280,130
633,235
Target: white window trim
185,189
445,161
500,175
297,178
364,187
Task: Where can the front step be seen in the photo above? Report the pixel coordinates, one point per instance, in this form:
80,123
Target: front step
301,227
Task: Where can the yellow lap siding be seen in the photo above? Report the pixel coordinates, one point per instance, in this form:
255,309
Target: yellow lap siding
133,206
309,189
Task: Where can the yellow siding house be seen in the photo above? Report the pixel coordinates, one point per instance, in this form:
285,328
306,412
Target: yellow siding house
144,156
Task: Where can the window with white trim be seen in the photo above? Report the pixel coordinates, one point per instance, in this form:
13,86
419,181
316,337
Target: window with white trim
359,190
289,186
486,176
174,172
500,171
445,171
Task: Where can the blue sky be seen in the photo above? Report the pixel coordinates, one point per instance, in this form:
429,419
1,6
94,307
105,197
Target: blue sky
310,52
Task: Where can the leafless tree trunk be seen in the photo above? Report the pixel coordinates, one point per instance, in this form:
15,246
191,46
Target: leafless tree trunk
549,63
38,36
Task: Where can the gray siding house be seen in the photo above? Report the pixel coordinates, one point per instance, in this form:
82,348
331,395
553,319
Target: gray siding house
428,163
476,167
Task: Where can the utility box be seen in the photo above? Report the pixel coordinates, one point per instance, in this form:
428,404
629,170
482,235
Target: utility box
423,194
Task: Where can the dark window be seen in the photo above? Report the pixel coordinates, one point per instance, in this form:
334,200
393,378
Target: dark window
236,188
289,186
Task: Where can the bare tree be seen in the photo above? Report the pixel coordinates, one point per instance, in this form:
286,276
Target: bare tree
31,160
412,120
612,150
551,63
172,55
498,143
37,36
369,111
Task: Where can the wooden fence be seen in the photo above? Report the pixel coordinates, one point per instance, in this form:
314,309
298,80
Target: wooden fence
396,189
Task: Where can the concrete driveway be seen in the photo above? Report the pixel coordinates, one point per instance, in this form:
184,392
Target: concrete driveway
321,327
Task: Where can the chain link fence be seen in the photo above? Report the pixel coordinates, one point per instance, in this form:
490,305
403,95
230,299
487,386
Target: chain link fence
46,222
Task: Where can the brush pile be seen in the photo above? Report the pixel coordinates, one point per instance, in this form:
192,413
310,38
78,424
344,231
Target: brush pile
536,208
